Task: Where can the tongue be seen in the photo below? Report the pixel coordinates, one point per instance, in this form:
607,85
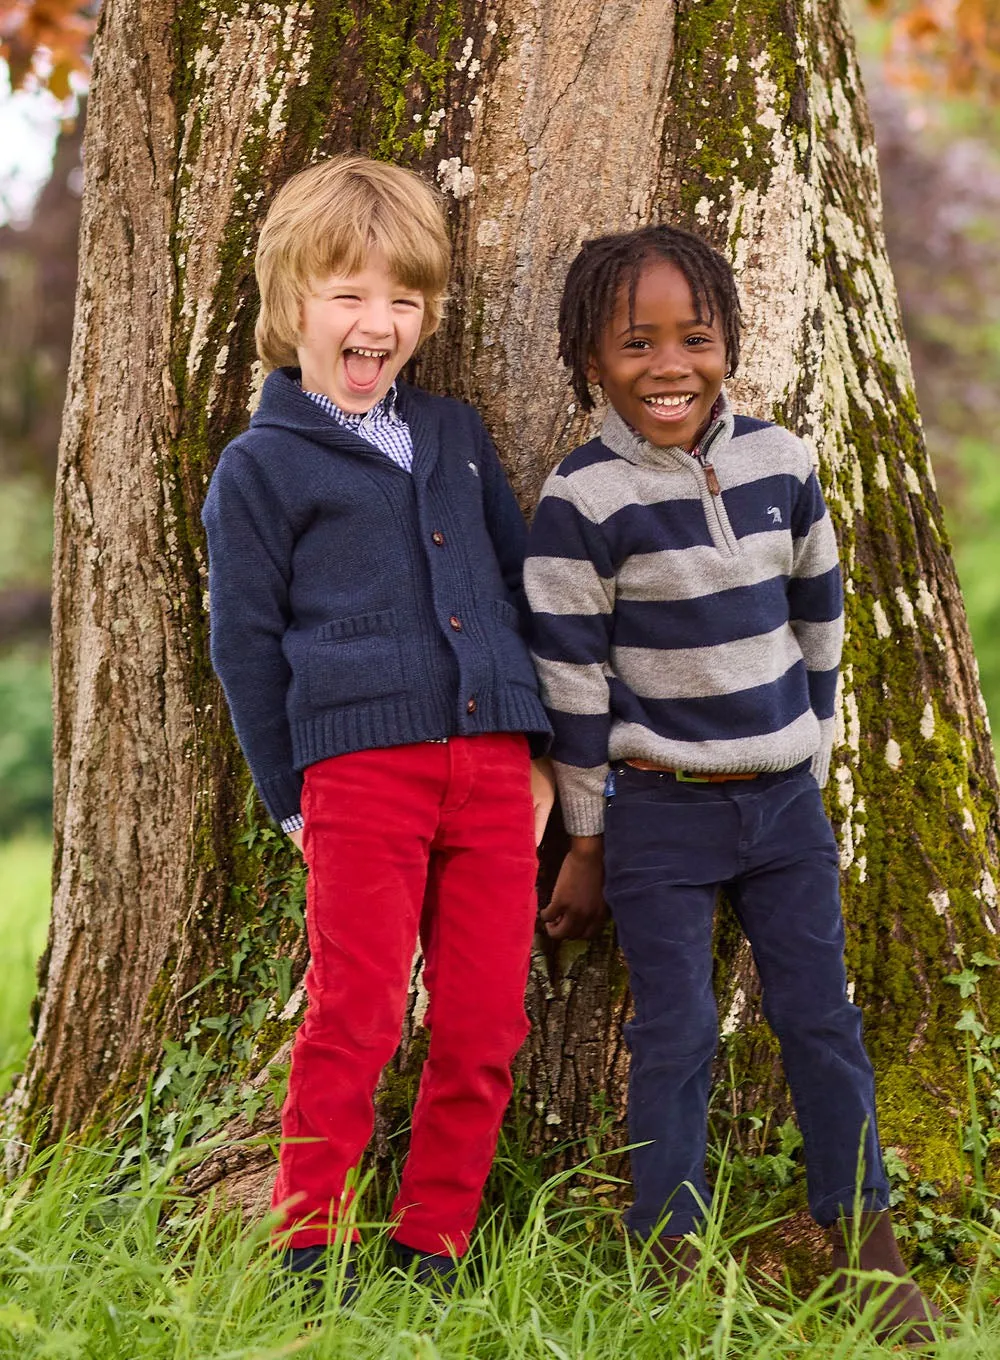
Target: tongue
362,369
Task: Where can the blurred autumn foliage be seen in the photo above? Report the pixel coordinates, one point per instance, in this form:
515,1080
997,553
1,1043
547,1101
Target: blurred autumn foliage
951,45
63,30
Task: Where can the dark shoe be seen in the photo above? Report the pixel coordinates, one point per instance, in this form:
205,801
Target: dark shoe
672,1262
902,1314
310,1267
439,1273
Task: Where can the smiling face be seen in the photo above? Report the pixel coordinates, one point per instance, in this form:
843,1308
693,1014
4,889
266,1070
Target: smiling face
357,332
663,368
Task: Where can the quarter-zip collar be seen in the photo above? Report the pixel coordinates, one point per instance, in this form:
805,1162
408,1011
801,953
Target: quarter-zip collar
622,439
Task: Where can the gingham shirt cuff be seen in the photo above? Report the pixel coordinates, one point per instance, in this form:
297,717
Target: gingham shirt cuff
294,823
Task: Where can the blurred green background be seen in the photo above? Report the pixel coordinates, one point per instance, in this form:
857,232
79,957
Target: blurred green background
940,160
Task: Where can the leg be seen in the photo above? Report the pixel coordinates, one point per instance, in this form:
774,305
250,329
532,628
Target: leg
788,902
370,818
479,921
667,847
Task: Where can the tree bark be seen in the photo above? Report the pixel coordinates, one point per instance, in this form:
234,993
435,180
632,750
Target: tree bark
176,916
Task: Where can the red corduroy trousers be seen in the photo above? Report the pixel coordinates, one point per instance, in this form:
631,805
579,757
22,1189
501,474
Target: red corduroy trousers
432,840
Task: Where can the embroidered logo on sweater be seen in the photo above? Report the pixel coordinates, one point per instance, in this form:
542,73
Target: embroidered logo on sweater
775,512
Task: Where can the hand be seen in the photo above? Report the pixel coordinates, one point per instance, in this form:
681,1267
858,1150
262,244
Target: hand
543,792
296,838
577,910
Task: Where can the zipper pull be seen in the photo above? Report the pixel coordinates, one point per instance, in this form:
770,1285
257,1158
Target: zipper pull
712,479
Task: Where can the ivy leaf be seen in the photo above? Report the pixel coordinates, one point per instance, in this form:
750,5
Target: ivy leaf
895,1167
969,1022
965,981
283,977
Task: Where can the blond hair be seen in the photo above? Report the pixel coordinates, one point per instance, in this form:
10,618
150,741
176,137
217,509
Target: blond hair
328,219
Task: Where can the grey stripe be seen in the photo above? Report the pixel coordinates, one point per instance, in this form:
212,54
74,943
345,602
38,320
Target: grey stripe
571,688
565,585
817,552
694,672
691,573
602,489
821,643
767,753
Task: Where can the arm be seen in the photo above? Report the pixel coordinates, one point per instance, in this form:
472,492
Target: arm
569,580
504,521
543,788
816,609
509,535
249,546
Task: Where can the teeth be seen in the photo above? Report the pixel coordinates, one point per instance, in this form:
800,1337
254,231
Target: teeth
371,353
669,401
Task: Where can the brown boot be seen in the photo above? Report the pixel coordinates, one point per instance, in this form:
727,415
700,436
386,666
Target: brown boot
903,1314
672,1262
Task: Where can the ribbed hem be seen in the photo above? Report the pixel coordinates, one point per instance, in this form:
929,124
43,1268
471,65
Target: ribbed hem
766,755
282,794
404,719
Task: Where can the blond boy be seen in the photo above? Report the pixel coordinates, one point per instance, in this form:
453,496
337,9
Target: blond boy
366,605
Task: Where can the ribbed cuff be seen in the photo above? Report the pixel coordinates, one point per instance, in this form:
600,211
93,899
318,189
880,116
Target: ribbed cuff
821,760
581,798
282,795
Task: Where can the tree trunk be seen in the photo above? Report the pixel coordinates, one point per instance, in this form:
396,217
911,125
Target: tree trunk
176,924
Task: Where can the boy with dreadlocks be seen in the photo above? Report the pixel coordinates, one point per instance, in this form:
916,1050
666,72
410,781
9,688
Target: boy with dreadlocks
686,593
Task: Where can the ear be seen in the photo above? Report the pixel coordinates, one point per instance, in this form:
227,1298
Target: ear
593,371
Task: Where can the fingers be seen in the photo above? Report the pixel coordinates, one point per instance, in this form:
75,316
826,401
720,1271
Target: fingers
565,922
562,928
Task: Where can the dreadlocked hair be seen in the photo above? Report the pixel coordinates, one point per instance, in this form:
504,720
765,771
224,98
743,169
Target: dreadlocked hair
607,263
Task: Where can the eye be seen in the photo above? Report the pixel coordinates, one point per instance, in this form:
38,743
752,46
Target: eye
637,342
407,302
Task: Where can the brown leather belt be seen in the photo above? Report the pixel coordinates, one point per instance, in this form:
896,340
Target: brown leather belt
685,776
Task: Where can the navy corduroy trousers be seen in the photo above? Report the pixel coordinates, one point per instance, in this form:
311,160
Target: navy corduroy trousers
669,847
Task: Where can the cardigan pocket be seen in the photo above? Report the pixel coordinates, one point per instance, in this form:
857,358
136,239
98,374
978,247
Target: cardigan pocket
353,659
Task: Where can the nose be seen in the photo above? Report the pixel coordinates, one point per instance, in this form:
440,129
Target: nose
670,361
376,317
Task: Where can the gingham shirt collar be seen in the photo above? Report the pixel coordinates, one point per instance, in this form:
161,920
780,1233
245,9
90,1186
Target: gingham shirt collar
382,425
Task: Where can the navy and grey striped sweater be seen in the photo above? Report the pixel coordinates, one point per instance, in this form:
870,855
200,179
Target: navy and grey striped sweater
699,630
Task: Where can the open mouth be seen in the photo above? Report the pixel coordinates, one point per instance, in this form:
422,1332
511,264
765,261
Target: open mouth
363,367
669,407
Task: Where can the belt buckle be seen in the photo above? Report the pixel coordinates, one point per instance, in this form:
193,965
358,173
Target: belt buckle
683,777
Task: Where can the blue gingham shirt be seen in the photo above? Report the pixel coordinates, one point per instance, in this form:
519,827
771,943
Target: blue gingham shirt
384,427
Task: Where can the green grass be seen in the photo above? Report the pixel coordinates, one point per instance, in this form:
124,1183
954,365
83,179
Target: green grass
25,867
89,1270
